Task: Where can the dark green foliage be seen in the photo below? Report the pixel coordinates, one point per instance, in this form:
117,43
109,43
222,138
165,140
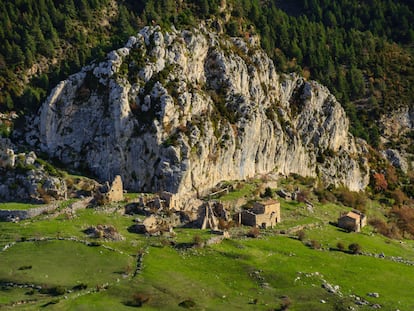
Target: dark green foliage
268,193
53,291
80,286
69,30
354,248
49,168
348,45
340,246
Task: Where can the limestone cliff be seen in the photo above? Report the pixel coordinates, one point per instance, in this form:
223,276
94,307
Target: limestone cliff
182,110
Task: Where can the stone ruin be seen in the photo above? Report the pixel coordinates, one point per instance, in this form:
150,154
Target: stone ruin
110,193
209,214
162,214
106,232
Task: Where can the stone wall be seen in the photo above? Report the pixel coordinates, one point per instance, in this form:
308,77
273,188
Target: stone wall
116,191
9,215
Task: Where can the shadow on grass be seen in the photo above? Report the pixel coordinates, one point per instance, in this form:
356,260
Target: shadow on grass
183,246
53,302
232,255
138,300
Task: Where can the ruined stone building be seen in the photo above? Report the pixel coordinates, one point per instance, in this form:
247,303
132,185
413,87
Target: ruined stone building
111,193
263,214
352,221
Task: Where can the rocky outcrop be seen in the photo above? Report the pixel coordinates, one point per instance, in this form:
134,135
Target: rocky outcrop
397,123
182,110
24,178
395,158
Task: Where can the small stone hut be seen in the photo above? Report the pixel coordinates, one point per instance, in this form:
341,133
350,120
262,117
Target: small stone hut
352,221
263,214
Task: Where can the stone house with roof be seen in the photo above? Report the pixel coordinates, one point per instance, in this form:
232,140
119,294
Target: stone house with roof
352,221
264,214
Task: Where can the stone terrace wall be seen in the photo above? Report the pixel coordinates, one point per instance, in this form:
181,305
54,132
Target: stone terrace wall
8,215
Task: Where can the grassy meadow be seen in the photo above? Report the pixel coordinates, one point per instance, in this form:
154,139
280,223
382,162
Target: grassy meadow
275,271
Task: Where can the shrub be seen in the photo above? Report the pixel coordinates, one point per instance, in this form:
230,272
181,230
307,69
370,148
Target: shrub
254,232
324,195
380,226
80,286
268,193
399,197
315,244
301,235
380,183
302,196
340,246
53,291
197,240
354,248
351,198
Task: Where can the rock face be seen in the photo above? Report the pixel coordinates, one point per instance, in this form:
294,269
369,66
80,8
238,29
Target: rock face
23,178
181,111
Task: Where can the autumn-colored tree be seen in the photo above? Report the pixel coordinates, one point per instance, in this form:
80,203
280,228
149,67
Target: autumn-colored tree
404,219
399,197
354,248
392,177
380,226
380,183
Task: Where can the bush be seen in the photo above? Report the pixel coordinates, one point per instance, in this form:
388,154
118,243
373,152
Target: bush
301,235
325,195
53,291
380,226
340,246
268,193
302,196
399,197
351,198
315,244
80,286
197,240
354,248
254,232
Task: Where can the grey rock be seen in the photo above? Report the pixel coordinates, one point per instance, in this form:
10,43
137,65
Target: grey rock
170,135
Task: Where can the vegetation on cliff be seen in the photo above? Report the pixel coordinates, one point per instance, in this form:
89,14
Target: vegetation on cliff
361,51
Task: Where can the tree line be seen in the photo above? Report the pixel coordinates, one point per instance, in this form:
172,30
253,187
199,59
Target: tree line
362,51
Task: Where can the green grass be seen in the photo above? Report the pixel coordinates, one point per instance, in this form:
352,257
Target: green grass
245,191
18,206
238,274
65,263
